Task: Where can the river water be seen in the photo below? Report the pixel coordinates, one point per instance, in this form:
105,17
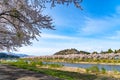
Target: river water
82,65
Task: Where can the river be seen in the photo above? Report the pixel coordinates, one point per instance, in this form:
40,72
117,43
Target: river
82,65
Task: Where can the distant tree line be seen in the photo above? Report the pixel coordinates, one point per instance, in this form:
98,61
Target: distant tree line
110,51
75,51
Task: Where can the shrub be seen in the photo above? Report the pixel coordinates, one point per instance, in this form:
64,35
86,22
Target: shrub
115,71
55,65
33,64
103,70
87,70
40,63
93,69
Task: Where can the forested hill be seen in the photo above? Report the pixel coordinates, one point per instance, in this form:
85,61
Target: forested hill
4,56
75,51
70,51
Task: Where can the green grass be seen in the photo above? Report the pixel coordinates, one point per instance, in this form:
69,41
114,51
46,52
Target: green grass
55,65
93,69
67,75
60,74
57,73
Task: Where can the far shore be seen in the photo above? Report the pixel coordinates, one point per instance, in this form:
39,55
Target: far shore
99,63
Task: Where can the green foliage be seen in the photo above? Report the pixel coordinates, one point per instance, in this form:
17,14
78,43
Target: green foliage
75,51
103,70
93,69
118,51
55,65
110,51
115,51
67,51
87,70
84,52
116,71
71,51
95,52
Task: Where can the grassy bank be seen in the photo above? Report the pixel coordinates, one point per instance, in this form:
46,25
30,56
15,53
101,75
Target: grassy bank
60,71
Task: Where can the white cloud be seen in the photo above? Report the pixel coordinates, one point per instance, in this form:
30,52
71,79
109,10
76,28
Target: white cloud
53,36
99,25
37,50
46,47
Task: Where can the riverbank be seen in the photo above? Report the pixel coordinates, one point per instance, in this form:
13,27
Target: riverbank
71,73
98,63
63,72
82,70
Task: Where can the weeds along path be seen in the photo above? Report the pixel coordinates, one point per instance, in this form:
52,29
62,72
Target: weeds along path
8,72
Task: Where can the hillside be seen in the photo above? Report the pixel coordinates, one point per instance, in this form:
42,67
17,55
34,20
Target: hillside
4,56
70,51
75,51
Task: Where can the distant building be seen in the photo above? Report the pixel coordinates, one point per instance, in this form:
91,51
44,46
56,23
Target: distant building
117,57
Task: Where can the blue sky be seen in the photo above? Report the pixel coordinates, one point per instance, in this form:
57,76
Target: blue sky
95,28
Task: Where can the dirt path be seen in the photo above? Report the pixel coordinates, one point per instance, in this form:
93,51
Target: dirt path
12,73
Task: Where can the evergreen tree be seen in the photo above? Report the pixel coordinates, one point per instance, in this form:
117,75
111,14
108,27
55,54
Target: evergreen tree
110,51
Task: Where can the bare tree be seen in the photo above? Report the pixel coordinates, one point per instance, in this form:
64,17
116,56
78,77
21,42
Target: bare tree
22,20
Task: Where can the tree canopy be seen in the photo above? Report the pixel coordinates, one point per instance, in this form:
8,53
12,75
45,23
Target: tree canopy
22,20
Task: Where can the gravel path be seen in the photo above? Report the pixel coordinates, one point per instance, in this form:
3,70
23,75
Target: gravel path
12,73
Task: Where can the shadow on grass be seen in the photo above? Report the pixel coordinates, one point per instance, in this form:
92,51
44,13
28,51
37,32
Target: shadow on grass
8,72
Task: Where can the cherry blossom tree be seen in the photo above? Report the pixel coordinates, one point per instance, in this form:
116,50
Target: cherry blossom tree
22,20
